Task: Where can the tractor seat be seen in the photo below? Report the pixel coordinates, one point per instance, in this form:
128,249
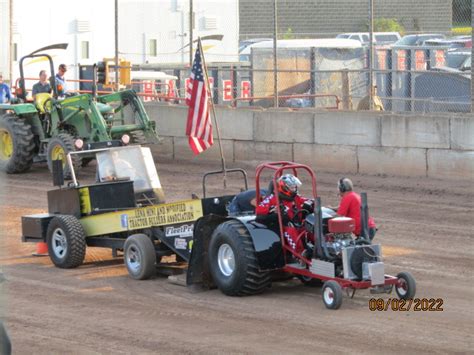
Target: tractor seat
42,99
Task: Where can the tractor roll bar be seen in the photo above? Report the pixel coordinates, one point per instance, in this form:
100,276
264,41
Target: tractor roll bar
52,79
224,171
279,167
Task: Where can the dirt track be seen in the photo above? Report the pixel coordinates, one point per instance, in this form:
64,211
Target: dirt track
426,227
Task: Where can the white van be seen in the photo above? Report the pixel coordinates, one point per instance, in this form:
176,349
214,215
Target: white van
301,44
379,37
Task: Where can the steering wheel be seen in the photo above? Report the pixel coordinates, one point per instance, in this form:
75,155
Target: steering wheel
297,220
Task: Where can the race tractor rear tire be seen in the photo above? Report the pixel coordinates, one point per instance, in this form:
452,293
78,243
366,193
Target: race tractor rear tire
233,263
66,241
139,256
16,144
58,148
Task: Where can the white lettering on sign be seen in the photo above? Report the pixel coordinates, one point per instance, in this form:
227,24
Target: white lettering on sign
227,85
181,231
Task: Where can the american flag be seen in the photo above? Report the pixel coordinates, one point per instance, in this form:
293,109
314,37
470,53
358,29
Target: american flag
199,125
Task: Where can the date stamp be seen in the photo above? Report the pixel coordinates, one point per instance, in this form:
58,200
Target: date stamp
399,305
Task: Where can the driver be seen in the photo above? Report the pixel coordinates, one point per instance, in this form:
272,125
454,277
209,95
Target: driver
118,168
290,205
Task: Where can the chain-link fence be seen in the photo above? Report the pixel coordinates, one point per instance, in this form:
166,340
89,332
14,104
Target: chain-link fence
391,55
395,55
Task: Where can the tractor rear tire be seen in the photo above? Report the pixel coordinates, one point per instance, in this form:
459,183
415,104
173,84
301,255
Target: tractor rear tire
407,289
332,294
16,144
66,241
138,137
58,148
139,256
233,262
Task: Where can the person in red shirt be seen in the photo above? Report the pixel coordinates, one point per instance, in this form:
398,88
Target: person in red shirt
290,204
350,206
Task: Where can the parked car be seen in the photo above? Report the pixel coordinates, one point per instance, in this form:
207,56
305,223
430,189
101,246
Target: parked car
460,60
417,40
452,43
380,38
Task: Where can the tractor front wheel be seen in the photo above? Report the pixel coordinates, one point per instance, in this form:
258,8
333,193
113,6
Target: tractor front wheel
58,148
66,241
332,294
138,137
140,256
233,263
406,286
16,144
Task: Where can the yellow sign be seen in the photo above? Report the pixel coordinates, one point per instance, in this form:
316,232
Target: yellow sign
144,217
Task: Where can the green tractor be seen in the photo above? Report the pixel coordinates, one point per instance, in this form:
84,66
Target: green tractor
52,126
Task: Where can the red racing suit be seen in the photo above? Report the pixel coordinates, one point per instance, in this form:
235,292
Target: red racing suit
266,213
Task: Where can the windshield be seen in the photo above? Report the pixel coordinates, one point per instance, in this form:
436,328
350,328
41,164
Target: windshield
412,40
128,163
456,61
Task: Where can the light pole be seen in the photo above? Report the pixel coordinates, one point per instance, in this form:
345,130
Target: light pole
275,64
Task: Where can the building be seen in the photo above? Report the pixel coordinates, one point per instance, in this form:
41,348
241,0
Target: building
330,17
149,31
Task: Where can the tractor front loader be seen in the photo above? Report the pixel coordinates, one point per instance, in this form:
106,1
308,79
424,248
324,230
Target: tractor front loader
51,126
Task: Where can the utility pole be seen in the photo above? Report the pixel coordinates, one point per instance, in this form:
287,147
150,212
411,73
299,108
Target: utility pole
371,55
116,48
275,64
191,21
10,40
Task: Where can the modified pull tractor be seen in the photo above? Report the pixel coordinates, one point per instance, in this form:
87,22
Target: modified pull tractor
240,256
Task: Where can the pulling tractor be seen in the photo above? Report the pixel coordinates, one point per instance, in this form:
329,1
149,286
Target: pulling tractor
125,210
53,125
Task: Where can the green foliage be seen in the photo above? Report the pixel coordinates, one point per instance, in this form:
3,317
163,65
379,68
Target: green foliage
387,25
288,34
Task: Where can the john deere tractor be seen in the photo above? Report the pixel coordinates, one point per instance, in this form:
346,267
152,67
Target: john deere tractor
51,126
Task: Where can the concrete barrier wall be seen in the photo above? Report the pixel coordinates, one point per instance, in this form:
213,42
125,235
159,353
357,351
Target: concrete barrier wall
440,146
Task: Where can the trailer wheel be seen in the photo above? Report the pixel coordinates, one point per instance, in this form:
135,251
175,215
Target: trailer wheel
406,287
332,294
140,256
233,263
66,241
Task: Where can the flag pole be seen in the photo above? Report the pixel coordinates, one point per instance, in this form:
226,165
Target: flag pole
211,102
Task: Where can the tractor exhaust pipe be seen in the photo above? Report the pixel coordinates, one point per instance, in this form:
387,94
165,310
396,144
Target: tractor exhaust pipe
320,251
318,229
364,217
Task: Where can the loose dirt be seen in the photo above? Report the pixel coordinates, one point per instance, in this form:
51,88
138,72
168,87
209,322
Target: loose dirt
426,227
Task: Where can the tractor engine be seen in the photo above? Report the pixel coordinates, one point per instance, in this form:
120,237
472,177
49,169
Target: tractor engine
339,235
